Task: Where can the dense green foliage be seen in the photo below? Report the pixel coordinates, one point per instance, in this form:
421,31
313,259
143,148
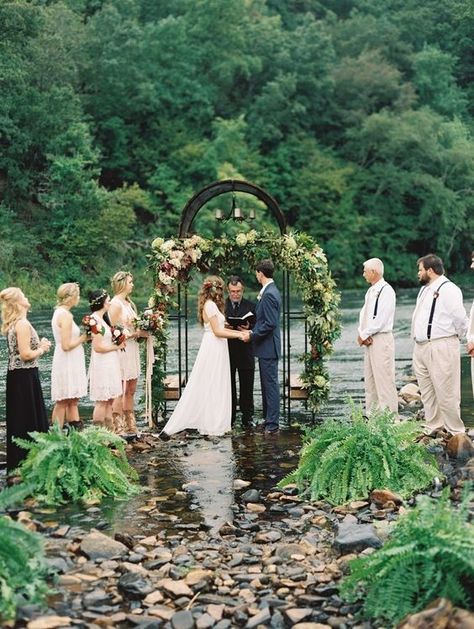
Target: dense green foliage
22,568
429,555
62,468
356,116
346,459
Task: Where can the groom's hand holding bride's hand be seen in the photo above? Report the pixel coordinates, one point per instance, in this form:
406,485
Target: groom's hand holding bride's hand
245,337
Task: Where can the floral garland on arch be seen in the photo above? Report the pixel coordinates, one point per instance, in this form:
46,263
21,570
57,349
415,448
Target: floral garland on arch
175,259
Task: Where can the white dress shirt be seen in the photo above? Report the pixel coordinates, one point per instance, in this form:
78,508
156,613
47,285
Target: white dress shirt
450,318
259,296
383,321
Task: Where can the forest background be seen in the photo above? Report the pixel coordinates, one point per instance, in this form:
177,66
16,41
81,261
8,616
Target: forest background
356,115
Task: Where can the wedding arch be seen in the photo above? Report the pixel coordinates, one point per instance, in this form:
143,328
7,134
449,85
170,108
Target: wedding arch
174,261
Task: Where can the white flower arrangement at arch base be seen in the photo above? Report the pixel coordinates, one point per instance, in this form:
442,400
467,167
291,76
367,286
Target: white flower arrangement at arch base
174,260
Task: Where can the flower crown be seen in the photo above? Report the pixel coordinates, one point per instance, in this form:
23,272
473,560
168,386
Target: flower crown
98,299
210,285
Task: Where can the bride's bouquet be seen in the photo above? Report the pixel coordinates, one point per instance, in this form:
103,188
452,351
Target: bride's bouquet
149,320
92,326
119,334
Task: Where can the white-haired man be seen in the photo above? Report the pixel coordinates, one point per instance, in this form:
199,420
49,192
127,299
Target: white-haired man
376,336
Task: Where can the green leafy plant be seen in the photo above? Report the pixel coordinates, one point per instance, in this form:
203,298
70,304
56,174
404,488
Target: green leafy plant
346,459
22,568
63,468
429,555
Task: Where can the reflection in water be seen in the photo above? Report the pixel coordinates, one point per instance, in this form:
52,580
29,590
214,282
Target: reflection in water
209,471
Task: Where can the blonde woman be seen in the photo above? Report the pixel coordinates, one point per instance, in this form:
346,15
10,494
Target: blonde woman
206,402
68,373
25,407
105,383
123,312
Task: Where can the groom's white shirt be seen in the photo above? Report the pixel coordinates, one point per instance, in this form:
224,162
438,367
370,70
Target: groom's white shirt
259,296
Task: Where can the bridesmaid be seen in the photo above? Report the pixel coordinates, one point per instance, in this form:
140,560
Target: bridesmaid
25,407
68,373
105,383
123,312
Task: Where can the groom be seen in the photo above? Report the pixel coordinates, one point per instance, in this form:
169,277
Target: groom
267,344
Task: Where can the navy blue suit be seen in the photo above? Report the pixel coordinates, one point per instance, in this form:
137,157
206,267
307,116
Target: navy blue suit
267,348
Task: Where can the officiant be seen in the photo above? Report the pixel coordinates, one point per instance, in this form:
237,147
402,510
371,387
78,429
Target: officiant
242,360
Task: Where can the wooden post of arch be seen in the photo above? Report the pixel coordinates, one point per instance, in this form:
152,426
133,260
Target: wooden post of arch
217,188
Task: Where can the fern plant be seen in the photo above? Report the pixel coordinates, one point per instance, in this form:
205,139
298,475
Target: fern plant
22,568
430,555
345,460
62,468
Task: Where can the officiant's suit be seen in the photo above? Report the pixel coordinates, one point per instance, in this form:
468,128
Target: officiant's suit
267,348
242,361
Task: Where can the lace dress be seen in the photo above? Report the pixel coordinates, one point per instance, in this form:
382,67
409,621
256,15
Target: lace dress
105,381
130,357
25,409
68,372
206,402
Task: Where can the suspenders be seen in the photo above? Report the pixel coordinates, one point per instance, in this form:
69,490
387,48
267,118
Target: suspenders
432,311
377,302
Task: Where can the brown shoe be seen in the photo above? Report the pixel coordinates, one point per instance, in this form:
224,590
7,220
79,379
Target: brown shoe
119,424
130,422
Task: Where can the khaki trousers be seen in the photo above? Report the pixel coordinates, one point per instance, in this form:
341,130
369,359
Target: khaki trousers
379,373
437,367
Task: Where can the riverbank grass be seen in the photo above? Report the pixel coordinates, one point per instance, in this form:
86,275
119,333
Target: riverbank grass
79,466
22,568
343,460
430,555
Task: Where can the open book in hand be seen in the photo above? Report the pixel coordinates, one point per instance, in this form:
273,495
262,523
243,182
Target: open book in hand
236,322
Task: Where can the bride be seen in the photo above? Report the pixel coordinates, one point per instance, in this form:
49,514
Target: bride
206,402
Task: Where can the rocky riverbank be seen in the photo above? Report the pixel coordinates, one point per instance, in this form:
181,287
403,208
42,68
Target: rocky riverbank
237,553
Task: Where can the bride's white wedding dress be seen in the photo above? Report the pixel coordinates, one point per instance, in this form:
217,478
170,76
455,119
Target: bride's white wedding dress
206,402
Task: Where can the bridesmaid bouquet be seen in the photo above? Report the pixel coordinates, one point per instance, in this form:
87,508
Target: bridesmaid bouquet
119,334
149,320
92,325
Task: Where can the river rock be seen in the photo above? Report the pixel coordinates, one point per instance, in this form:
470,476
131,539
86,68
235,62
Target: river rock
460,447
175,588
49,622
259,619
134,585
96,545
439,614
182,620
297,614
382,496
410,392
353,536
205,621
251,495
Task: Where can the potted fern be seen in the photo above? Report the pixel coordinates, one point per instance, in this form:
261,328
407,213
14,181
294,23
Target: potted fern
429,555
346,459
62,468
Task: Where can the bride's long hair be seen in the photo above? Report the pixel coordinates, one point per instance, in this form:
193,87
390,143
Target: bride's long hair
212,288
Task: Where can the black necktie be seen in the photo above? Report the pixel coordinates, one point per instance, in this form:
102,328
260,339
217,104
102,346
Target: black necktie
235,306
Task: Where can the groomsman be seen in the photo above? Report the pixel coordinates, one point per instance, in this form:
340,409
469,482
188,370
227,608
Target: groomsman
376,336
242,359
438,322
267,344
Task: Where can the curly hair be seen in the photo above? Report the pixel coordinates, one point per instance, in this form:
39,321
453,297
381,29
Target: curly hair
212,288
12,311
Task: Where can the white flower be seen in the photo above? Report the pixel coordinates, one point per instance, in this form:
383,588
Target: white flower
164,278
151,303
251,235
320,381
176,263
195,254
176,254
291,243
156,244
241,239
167,245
